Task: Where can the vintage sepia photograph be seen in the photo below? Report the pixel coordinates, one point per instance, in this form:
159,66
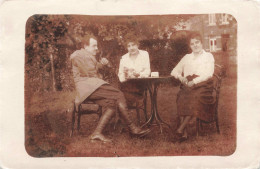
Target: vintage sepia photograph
130,85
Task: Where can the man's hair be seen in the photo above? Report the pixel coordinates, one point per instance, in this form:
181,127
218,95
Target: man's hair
85,40
195,35
131,38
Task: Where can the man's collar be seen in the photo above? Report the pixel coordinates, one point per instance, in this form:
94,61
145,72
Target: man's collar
87,52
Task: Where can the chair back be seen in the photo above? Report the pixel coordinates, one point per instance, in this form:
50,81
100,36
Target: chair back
219,74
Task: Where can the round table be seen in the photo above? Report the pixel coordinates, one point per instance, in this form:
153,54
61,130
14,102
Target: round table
152,84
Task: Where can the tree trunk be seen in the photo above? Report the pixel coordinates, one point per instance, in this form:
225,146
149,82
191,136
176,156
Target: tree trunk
53,74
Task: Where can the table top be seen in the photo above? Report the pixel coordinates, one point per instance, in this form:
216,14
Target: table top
161,77
154,79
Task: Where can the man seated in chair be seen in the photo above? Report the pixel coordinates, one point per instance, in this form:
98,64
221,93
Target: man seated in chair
134,64
89,85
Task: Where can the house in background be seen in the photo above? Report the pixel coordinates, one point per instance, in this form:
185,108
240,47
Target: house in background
219,32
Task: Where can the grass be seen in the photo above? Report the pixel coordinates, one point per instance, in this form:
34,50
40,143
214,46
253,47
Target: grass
47,128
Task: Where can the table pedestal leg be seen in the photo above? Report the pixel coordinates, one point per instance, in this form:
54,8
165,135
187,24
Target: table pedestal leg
153,88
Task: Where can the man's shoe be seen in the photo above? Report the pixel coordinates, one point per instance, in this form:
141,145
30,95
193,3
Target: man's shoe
137,131
100,137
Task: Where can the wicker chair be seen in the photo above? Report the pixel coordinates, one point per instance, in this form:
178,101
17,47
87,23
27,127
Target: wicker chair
219,73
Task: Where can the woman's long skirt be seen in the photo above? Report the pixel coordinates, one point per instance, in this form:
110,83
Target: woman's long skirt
197,101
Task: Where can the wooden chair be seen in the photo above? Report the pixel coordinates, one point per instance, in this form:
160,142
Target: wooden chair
140,104
219,73
84,109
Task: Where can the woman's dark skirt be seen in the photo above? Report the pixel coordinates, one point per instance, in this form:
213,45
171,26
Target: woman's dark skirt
197,101
133,91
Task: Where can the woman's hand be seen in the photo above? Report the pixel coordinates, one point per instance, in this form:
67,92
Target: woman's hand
183,80
136,74
129,73
190,83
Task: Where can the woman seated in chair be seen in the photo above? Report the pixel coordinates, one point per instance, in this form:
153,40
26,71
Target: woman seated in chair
195,71
134,64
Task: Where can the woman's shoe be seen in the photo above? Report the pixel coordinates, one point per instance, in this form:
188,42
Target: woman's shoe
178,134
183,138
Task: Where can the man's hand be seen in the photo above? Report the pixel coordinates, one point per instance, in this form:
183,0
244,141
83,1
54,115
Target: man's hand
104,61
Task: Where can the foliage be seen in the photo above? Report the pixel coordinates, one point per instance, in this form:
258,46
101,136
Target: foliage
58,36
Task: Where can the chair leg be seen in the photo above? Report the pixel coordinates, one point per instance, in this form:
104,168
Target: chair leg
145,100
79,115
197,126
217,126
201,126
137,113
73,120
117,118
99,112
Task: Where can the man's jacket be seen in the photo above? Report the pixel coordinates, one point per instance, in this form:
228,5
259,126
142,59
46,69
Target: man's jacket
85,72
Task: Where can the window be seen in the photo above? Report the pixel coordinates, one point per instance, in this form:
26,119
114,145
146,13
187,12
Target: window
224,19
212,44
212,19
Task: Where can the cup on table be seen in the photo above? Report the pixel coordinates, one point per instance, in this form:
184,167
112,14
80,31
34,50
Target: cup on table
154,74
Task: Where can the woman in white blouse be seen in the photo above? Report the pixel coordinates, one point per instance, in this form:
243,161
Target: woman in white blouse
195,96
134,64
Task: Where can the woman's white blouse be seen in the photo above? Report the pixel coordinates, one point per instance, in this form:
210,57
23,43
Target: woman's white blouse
202,65
141,65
